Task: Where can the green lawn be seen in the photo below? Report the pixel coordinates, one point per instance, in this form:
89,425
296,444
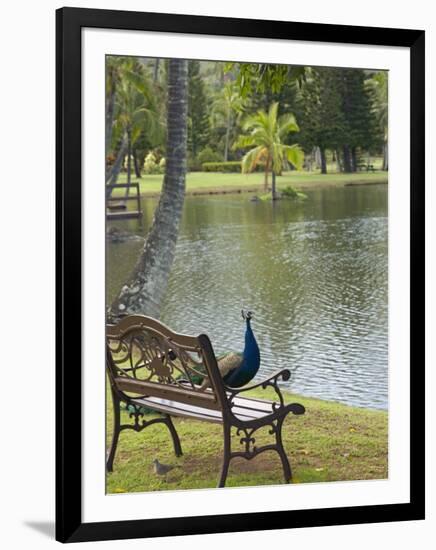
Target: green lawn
331,442
206,182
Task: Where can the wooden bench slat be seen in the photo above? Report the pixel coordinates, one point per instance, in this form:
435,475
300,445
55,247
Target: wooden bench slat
152,389
253,403
176,409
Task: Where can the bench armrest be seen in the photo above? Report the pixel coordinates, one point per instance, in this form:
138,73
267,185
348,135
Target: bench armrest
272,381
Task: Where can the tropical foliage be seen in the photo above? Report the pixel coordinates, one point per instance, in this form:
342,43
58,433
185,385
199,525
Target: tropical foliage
338,117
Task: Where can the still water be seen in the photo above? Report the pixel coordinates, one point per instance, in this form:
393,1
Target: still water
315,273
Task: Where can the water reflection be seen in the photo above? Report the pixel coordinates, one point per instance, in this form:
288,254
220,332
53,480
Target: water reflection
314,273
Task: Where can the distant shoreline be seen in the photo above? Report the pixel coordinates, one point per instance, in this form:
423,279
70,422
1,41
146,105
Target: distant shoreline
208,183
260,188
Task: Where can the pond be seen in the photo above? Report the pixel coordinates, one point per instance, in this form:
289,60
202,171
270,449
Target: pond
315,274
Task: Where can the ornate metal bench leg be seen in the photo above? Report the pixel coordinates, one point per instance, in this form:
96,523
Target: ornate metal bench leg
115,434
174,435
226,457
287,472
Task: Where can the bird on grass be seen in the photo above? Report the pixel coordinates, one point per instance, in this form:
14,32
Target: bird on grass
237,369
161,469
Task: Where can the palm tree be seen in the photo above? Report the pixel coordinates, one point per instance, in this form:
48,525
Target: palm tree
226,108
113,71
114,66
146,287
267,132
130,111
135,107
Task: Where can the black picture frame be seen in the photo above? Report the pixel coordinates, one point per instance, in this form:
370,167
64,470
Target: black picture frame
69,22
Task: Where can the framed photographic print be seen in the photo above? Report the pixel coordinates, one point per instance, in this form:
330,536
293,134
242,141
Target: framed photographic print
240,274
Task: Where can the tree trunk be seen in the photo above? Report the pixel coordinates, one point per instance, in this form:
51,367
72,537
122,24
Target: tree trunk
338,162
146,287
136,164
354,159
227,142
385,156
273,186
317,157
323,161
347,159
112,174
110,105
129,166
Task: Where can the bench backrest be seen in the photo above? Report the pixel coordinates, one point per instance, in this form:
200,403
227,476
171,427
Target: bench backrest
146,358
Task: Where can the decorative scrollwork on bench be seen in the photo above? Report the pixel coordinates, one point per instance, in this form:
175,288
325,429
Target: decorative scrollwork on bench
249,442
138,415
152,357
273,383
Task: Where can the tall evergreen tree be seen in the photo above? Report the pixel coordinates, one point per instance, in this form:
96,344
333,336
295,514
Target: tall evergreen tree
377,86
198,110
322,120
359,120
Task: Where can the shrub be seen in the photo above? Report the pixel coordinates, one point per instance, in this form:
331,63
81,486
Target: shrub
151,166
230,166
208,155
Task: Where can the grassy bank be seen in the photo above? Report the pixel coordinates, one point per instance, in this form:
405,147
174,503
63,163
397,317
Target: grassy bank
331,442
207,182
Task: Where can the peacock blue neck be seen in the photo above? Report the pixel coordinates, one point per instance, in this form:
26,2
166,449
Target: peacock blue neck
251,349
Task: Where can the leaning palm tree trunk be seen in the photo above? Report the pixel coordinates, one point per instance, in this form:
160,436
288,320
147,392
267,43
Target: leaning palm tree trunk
146,287
113,171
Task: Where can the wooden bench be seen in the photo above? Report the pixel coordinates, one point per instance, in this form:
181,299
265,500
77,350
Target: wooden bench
150,366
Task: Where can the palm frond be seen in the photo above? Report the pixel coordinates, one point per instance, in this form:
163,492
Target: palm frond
243,142
294,154
287,124
253,158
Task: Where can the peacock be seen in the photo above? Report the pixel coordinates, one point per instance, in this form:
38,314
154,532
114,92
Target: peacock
237,369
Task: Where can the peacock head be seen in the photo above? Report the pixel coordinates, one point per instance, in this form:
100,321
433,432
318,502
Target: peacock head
246,315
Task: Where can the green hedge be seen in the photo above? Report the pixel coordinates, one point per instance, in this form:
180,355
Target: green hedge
230,166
